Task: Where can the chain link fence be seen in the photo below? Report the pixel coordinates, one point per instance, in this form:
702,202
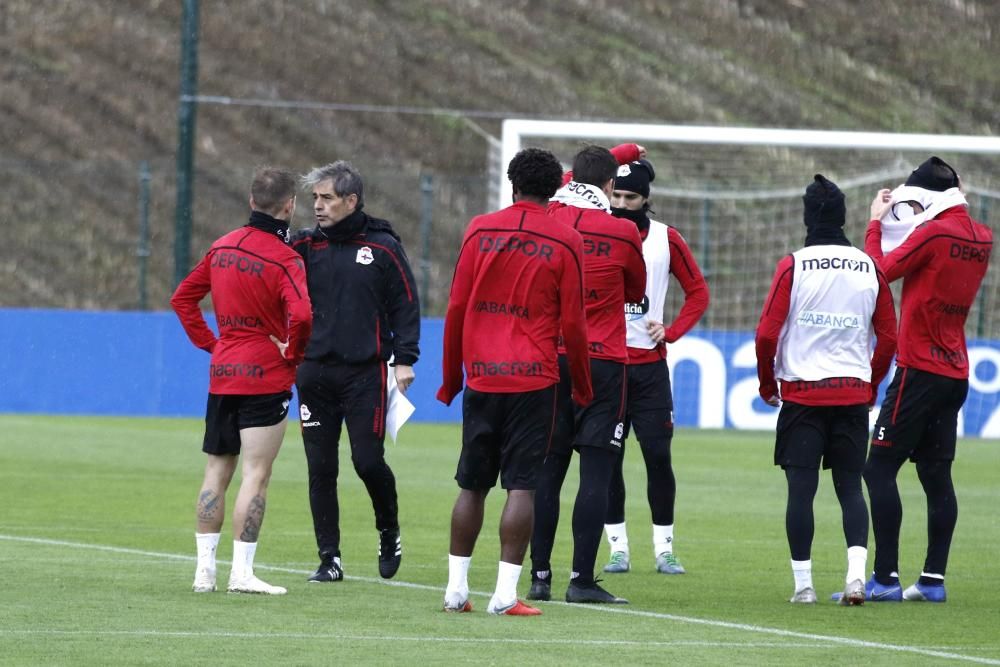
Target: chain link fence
100,235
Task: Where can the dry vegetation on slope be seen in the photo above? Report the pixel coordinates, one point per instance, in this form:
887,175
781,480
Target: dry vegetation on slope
90,89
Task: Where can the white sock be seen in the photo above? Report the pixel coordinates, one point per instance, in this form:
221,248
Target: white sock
857,563
663,539
506,591
243,553
931,575
802,570
617,537
207,544
458,575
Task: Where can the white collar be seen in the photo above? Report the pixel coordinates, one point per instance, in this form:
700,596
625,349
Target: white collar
582,195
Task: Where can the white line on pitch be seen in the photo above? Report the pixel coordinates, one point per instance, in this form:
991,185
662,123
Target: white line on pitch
423,638
192,559
745,627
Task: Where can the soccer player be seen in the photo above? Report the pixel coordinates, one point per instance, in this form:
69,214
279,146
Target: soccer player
649,404
826,302
517,283
614,273
263,312
366,310
942,263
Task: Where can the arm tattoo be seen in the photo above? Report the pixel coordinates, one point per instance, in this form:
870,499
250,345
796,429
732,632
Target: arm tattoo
255,516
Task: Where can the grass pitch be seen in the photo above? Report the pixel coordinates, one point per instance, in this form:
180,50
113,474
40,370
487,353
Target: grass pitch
96,553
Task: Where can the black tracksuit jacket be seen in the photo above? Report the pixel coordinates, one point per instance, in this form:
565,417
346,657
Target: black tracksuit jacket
364,299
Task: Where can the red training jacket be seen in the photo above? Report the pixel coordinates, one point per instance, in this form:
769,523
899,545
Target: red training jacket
518,280
614,272
942,264
851,391
258,287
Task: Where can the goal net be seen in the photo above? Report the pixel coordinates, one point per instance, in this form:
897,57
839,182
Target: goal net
735,194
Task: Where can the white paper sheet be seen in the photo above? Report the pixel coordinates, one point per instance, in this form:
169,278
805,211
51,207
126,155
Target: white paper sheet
398,408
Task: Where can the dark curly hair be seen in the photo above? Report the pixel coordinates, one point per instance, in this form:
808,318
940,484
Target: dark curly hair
535,173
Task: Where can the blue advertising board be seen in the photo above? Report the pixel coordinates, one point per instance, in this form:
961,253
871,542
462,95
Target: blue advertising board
142,364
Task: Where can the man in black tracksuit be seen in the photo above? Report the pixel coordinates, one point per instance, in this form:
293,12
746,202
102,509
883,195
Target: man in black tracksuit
365,310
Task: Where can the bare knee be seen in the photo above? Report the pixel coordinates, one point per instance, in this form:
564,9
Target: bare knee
256,474
219,472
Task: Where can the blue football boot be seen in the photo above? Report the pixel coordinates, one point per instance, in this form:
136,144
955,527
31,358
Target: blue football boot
876,592
919,592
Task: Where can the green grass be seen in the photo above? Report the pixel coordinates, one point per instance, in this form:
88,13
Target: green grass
96,554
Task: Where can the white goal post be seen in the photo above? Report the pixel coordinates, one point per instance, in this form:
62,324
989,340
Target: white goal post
735,193
516,130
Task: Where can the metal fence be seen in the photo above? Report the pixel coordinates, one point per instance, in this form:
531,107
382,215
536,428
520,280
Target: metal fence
99,235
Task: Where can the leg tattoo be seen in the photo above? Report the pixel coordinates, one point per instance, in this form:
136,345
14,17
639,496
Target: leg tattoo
209,506
255,516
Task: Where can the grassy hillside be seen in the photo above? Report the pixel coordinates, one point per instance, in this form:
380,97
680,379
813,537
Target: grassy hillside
90,90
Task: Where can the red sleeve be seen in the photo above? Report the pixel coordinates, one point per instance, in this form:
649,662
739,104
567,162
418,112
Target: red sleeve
685,269
454,322
772,318
185,302
573,322
873,241
884,323
298,309
635,267
624,153
911,254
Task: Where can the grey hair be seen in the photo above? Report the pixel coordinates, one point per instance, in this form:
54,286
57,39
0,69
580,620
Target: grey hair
345,178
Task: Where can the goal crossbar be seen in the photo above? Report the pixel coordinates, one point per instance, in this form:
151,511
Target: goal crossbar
515,130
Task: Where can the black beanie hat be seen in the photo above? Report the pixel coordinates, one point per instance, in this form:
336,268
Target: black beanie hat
635,177
824,203
934,174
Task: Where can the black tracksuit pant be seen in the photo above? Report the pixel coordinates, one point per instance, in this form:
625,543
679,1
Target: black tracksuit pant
331,395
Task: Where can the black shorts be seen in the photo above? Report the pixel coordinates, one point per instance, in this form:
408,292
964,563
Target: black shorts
650,405
833,434
919,416
227,414
602,423
505,435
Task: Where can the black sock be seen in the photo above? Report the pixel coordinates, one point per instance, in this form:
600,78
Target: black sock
590,509
886,580
930,581
799,521
942,513
550,481
886,512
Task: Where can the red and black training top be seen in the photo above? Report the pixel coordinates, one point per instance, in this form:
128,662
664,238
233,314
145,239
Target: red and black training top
258,289
614,272
518,280
942,264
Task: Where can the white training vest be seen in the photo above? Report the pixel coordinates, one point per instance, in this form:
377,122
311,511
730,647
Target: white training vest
828,331
656,253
